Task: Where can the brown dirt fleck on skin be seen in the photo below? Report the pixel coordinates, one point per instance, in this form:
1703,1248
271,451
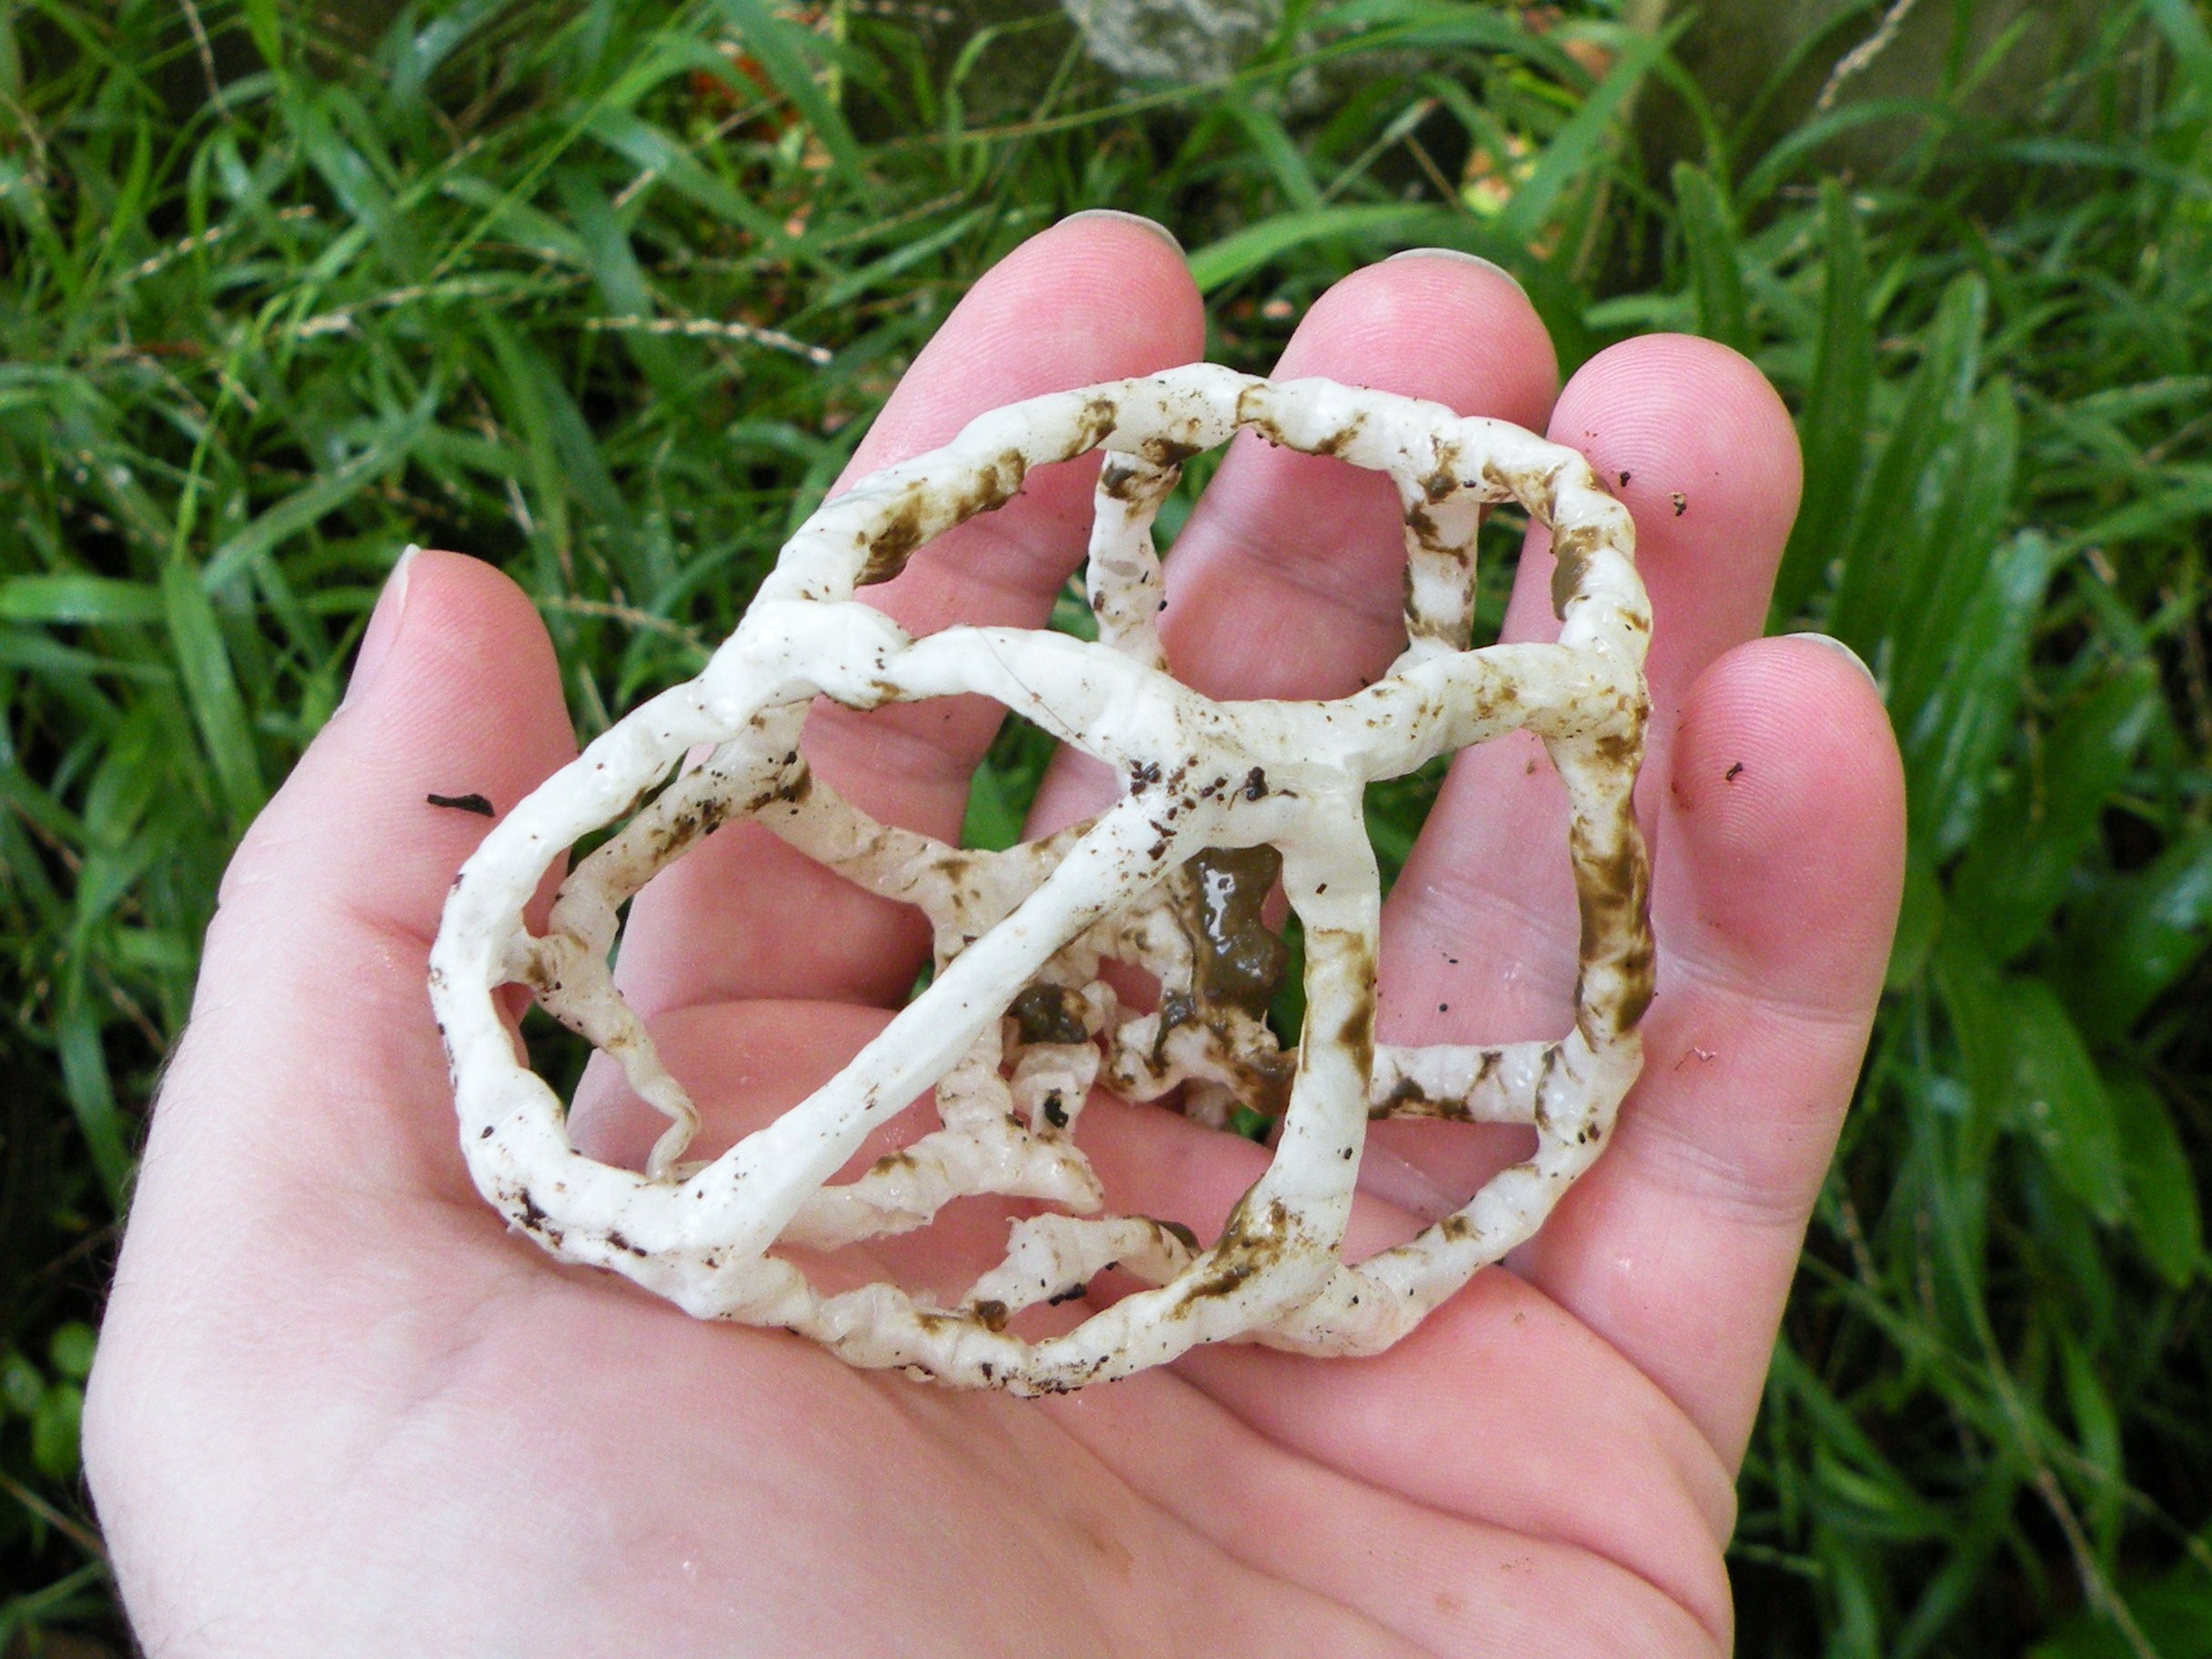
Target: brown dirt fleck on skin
472,802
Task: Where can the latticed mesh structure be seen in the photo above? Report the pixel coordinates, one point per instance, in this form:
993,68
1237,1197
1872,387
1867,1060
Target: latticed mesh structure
1218,802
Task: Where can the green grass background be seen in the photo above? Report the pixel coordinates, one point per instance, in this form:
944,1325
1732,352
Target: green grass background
605,293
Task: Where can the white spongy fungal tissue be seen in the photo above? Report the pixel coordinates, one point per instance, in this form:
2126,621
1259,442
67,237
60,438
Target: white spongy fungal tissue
1219,803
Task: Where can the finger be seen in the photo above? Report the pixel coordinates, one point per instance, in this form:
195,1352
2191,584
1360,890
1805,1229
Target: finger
1094,299
1480,935
1444,1582
1287,579
1479,939
312,1052
1781,840
1498,1354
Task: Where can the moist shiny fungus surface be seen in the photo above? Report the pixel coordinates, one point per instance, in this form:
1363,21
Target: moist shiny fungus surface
1219,805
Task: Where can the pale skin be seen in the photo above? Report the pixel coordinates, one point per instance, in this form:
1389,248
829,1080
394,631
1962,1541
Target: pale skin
339,1409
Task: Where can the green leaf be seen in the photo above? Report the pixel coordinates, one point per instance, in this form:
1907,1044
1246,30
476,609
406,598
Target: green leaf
1377,229
1920,917
54,1432
1709,240
2030,1072
1962,729
2162,1205
2186,36
992,823
1832,430
2133,936
1909,475
2014,873
78,599
1222,263
211,689
389,444
781,49
22,1386
92,1095
70,1349
655,152
1949,546
1574,149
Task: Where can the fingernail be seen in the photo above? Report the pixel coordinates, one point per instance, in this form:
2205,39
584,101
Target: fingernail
1841,649
1154,226
1464,257
382,631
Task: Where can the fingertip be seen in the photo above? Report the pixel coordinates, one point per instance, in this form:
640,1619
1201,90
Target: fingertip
1785,815
1435,324
1691,436
463,703
1097,296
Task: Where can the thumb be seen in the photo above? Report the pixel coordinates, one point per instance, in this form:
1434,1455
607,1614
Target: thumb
311,1011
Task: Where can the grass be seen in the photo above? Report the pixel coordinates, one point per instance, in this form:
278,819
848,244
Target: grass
604,292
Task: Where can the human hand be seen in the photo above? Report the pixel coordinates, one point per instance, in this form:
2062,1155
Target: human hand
340,1409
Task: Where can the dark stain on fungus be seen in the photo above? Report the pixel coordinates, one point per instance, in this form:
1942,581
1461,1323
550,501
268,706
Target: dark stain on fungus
1358,1033
1255,785
893,545
1168,451
1190,1238
911,525
1099,418
1618,747
1249,1244
1050,1014
1118,477
1240,960
1571,550
1405,1099
1074,1293
991,1316
463,803
1342,439
1422,523
1055,1112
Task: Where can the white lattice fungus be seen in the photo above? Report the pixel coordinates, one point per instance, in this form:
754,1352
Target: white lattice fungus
1218,801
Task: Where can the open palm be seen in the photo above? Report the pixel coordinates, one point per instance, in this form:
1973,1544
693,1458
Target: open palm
340,1410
